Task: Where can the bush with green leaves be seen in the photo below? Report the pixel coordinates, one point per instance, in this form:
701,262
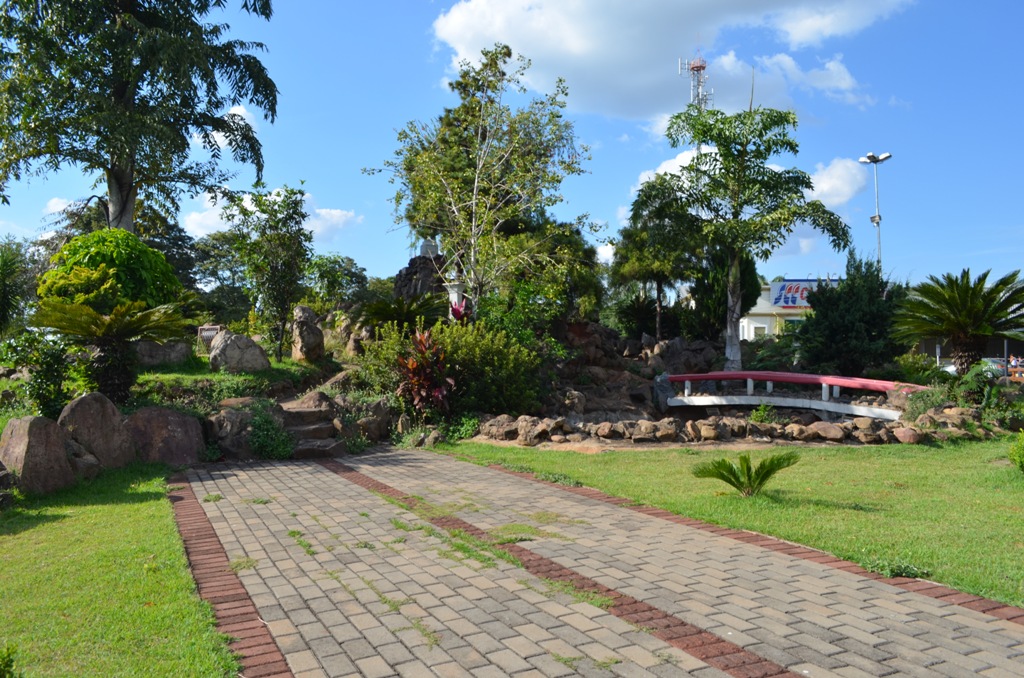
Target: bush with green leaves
765,414
378,364
1016,453
109,267
492,374
749,480
50,370
267,437
8,667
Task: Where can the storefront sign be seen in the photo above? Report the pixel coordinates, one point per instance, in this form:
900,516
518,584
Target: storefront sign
793,293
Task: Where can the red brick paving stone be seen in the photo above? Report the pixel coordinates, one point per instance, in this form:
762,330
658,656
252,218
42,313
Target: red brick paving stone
1013,614
237,617
705,646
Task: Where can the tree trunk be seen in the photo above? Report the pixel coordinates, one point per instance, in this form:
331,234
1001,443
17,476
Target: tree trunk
121,195
733,358
657,310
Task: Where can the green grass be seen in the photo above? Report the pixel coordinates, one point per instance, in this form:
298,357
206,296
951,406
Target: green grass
953,510
95,583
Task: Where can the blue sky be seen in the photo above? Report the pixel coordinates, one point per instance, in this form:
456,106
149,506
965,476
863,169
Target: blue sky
933,83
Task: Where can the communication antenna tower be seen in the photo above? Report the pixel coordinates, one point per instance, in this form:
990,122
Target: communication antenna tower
696,70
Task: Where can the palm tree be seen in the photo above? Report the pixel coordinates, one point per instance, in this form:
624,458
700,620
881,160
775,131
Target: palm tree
111,337
964,313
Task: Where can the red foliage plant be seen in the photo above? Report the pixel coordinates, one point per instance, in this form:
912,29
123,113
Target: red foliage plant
424,375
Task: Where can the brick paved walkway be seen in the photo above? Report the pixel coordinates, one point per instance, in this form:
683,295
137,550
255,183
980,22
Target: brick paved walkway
369,567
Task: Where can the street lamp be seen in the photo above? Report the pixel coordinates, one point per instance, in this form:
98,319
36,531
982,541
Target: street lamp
876,219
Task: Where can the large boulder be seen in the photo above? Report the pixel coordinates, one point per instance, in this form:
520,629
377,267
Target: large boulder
237,353
420,277
165,435
36,450
96,424
307,338
229,429
152,354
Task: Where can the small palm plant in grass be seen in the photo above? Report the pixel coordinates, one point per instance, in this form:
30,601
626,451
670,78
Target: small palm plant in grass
743,476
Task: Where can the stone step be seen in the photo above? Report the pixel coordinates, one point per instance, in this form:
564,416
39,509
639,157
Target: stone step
319,449
300,417
317,431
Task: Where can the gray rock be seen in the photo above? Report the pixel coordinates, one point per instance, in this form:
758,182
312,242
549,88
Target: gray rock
152,354
307,338
229,429
97,425
237,353
35,449
165,435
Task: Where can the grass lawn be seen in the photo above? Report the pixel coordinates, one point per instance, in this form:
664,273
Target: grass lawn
955,510
94,582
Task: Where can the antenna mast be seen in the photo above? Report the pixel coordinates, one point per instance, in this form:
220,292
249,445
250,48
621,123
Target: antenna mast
696,70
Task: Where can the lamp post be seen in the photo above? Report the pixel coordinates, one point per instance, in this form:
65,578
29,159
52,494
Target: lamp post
876,219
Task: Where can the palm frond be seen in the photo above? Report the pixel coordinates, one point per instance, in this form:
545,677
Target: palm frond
745,478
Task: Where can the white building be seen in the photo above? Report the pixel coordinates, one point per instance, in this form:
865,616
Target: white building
781,304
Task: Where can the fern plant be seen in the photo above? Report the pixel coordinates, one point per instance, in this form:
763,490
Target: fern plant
748,480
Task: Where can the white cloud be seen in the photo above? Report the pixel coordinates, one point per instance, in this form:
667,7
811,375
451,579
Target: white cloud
836,183
220,139
605,253
54,205
621,58
324,223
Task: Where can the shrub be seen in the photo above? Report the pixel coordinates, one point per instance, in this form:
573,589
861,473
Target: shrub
765,414
378,364
50,370
8,667
745,478
492,374
460,428
109,267
266,437
424,375
1017,451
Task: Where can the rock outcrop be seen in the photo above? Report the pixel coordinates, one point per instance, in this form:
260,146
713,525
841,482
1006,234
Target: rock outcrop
96,424
237,353
38,451
307,337
165,435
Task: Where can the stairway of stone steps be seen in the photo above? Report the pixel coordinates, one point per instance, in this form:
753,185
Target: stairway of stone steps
313,430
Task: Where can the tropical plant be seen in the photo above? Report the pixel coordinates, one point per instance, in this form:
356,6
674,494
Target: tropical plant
482,170
274,247
128,90
110,337
106,268
765,414
744,477
745,204
963,312
423,309
424,375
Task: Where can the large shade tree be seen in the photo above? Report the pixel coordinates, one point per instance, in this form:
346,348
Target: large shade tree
747,204
964,312
125,90
485,170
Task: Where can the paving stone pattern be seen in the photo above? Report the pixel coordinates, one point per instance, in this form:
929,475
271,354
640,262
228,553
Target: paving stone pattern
348,586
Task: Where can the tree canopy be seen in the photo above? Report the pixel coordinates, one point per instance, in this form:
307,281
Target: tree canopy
746,204
274,247
483,170
125,89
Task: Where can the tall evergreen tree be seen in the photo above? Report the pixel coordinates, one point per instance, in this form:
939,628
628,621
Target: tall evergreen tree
850,324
